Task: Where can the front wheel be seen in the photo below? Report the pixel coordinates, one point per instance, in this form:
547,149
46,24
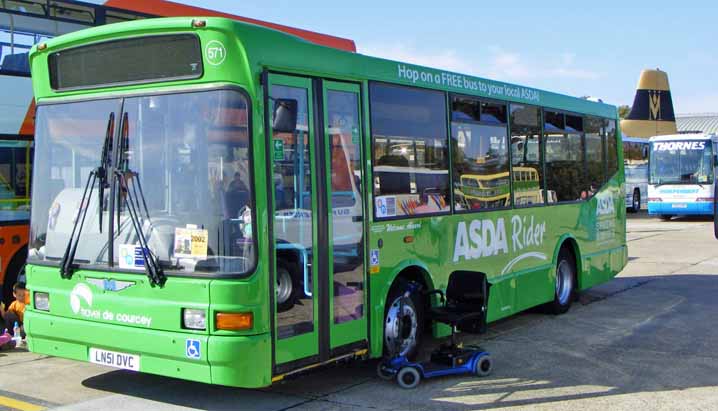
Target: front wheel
403,323
565,283
383,372
636,201
666,217
286,287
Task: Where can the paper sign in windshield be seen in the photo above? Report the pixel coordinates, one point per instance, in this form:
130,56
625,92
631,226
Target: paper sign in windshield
131,257
190,243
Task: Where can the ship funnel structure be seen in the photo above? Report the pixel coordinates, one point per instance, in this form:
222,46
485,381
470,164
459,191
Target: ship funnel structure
652,110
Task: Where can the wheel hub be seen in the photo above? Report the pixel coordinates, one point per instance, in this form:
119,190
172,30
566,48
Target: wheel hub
564,282
401,326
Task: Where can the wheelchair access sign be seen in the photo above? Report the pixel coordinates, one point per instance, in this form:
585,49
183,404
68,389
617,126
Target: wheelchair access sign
193,349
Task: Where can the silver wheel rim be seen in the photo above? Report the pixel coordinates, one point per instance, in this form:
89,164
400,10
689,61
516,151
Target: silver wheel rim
400,326
636,202
284,286
564,282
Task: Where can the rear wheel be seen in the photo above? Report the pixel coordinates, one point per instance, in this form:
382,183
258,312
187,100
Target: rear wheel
408,377
484,366
565,282
666,217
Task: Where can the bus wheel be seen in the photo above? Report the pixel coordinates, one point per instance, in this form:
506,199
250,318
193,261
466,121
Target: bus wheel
12,272
666,217
565,283
636,201
403,323
285,288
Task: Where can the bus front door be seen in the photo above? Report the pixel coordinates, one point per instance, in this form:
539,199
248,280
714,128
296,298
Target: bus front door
316,234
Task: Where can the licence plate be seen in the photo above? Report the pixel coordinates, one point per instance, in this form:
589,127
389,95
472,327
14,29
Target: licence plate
679,205
115,359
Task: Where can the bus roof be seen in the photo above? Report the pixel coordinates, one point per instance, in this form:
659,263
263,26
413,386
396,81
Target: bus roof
635,140
684,137
266,48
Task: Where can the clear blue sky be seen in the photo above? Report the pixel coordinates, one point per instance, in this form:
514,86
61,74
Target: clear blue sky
568,47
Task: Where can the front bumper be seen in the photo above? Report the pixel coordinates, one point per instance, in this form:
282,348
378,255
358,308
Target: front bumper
237,361
680,208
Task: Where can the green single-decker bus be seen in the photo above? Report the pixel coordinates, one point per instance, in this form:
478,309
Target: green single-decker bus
225,203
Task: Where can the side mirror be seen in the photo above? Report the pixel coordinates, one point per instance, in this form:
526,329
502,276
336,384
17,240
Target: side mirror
284,119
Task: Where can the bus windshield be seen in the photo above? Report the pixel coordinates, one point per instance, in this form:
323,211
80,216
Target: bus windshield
681,162
184,164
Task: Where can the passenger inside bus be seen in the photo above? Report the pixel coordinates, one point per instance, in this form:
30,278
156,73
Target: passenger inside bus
236,197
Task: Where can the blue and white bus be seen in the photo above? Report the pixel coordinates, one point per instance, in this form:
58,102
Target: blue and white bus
635,160
681,175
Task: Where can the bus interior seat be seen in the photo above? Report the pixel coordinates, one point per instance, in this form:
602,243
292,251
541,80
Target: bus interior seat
235,200
394,182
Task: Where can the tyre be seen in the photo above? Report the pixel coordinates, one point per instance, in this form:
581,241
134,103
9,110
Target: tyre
12,273
403,322
565,283
383,372
666,217
287,286
636,201
484,366
408,377
715,210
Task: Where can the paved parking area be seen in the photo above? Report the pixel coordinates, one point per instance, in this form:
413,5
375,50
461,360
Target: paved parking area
646,340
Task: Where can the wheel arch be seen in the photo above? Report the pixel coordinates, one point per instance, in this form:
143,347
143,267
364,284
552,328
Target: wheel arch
570,243
408,271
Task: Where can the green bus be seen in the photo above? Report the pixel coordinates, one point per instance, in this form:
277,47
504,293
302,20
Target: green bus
224,203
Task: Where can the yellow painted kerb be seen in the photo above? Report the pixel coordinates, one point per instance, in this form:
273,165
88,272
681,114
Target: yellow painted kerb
19,405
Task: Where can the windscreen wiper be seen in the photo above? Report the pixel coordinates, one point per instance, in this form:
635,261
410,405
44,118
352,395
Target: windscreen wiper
132,194
100,173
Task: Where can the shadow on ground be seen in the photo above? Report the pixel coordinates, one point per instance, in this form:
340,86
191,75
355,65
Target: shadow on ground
633,337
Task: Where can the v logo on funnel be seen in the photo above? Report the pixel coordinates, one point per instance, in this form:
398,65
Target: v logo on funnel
80,292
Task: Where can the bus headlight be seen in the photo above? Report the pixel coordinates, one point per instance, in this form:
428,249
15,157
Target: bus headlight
42,301
194,319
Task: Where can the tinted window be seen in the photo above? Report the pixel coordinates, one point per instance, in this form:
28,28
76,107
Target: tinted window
564,156
527,174
481,159
411,173
553,121
595,165
611,148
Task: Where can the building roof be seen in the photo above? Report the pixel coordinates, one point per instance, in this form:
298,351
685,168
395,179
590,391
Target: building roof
700,122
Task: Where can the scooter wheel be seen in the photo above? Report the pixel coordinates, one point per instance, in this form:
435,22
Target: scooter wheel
484,366
383,372
408,377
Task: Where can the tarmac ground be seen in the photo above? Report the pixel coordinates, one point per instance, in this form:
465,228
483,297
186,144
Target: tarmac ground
645,340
